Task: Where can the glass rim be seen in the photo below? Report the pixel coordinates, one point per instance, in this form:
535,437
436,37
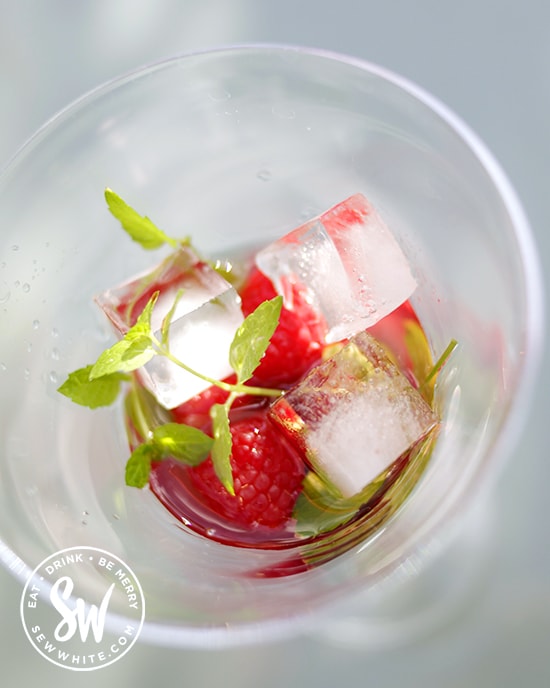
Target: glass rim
534,308
533,276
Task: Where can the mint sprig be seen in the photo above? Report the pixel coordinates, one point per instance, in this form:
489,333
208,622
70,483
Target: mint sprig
99,385
140,344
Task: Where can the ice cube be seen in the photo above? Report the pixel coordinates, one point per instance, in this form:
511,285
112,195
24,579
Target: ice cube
350,263
202,326
354,415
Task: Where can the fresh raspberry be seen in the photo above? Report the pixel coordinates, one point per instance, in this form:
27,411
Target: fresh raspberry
267,475
297,343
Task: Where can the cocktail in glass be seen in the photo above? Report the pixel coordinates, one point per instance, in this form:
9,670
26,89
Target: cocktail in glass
236,147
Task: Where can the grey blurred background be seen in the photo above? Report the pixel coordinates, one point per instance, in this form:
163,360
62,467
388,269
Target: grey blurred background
489,60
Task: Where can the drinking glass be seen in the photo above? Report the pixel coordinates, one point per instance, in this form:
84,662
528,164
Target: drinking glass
235,147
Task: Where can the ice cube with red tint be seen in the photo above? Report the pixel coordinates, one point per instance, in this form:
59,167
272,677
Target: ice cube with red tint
202,326
350,263
354,415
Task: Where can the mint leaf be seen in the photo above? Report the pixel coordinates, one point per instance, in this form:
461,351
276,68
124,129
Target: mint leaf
221,448
138,465
91,393
139,350
143,322
140,228
313,519
124,356
183,442
167,321
131,352
252,338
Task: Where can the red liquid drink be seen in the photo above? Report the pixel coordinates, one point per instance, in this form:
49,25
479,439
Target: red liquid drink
318,421
207,508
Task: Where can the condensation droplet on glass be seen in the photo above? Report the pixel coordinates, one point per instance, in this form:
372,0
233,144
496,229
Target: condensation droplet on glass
17,284
3,264
15,247
3,366
56,354
85,513
210,532
55,332
116,517
5,297
54,377
264,175
26,287
26,374
29,346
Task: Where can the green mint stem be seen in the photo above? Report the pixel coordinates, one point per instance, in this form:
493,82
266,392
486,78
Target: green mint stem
439,363
230,399
228,387
143,424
